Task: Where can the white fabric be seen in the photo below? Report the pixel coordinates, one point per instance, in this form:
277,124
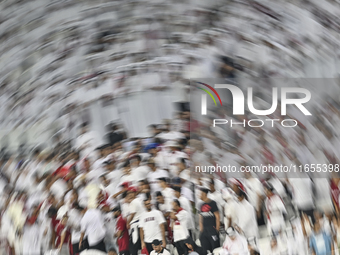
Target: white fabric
93,225
150,222
136,207
153,179
186,205
238,246
165,252
180,226
246,218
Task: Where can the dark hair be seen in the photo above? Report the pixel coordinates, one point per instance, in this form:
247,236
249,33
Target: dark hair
52,211
124,194
73,168
105,146
36,151
177,202
137,157
50,157
145,182
78,207
241,193
127,163
84,125
205,190
148,195
158,140
182,160
269,187
162,179
254,252
117,208
176,188
146,199
159,194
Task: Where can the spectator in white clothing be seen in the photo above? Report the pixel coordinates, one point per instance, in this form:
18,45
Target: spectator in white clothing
234,243
158,249
151,227
246,217
92,225
180,227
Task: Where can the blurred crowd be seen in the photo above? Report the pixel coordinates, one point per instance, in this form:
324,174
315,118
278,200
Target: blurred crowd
143,195
58,58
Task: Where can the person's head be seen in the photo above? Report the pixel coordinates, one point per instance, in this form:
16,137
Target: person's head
152,165
125,186
101,197
204,194
104,180
36,153
160,197
144,185
74,196
135,161
162,182
190,244
116,212
138,148
131,193
231,233
241,195
35,210
127,167
254,252
100,151
177,191
109,165
83,128
111,251
52,200
317,215
269,190
76,155
22,196
36,178
181,164
153,130
148,205
171,146
157,246
176,205
72,174
87,164
113,127
176,182
52,212
105,150
152,151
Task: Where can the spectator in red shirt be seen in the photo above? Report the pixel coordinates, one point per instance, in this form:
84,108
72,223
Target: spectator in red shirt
63,236
122,233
